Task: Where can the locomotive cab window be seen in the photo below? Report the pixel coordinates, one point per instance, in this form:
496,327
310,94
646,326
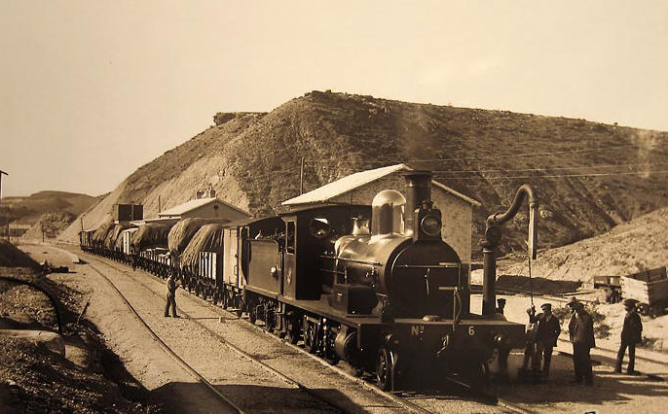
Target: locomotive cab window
290,238
319,227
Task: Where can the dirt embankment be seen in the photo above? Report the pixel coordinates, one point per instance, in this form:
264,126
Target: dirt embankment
639,245
49,225
12,257
35,377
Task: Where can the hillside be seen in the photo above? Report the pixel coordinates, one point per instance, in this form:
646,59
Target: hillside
252,160
49,225
28,210
639,245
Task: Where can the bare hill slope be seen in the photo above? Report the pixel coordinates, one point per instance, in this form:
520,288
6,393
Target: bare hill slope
639,245
253,160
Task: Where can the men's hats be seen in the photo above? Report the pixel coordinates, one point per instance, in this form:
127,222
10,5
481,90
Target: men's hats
630,302
575,304
546,306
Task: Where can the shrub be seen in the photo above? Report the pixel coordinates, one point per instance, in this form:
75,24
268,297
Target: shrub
651,343
601,329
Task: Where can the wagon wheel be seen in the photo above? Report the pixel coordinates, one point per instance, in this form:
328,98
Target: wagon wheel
655,311
237,303
224,300
252,314
292,328
268,318
385,367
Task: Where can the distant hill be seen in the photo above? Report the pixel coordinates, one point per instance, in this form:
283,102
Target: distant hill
253,160
26,211
633,247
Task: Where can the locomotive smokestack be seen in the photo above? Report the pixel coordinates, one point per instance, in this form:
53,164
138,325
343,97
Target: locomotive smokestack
418,190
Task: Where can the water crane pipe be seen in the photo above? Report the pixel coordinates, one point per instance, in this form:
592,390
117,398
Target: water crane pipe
493,237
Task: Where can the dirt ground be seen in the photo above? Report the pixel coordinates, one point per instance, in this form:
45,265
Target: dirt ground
35,376
612,393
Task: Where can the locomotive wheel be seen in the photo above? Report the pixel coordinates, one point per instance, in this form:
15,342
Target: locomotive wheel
643,309
331,356
310,337
385,367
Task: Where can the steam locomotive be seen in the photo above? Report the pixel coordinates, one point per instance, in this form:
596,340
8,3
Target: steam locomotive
375,285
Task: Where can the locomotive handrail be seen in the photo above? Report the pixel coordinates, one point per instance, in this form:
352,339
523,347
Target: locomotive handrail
451,265
357,261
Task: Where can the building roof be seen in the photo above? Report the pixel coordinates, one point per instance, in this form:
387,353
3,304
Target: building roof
195,204
351,182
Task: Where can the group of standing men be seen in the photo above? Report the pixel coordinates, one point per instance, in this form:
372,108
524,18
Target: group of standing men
545,329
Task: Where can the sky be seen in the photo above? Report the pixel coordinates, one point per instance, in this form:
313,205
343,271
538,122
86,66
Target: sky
92,90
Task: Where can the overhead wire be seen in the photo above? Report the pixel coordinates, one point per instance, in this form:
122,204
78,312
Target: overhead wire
559,176
527,154
549,168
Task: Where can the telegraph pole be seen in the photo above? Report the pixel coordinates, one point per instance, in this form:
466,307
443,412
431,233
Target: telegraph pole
1,174
301,178
9,236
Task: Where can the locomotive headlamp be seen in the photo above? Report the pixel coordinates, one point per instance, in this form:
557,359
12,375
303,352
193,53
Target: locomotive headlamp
431,225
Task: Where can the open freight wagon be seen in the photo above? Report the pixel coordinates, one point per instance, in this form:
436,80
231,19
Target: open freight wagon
650,288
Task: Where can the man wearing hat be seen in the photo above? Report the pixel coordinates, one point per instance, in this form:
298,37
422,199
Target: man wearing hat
631,335
171,296
581,329
547,332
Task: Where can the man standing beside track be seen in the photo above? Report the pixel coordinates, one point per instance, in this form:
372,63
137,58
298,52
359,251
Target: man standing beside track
631,335
581,328
171,296
547,332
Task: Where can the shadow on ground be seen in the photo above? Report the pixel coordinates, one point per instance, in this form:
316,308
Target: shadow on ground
179,397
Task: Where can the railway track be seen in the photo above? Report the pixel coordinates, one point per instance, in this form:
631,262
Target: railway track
169,351
406,402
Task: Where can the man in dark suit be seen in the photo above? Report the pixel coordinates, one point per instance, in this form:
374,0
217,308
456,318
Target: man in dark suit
547,332
631,335
170,296
581,329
